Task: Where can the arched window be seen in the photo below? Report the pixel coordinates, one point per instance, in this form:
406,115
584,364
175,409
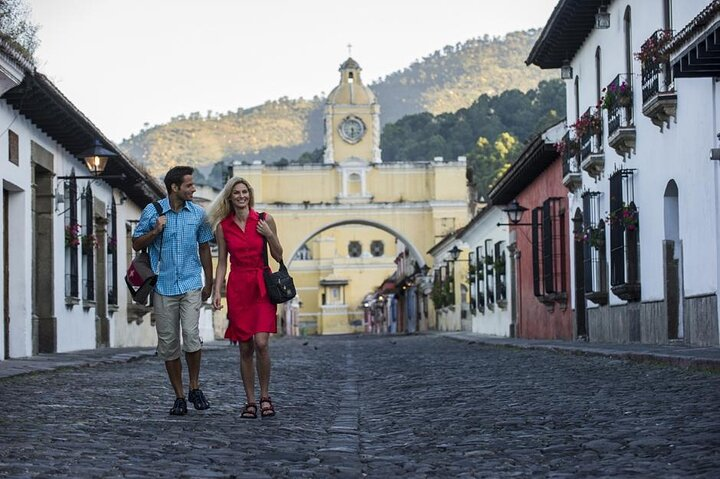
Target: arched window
598,74
627,31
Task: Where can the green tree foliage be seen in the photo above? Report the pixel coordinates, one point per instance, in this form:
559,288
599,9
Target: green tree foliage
17,29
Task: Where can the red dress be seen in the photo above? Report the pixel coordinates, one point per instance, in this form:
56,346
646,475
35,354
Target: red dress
249,309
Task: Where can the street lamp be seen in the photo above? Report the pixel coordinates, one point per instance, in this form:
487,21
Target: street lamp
514,212
95,158
566,71
602,17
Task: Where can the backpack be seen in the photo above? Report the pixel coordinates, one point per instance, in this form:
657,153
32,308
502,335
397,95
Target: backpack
140,277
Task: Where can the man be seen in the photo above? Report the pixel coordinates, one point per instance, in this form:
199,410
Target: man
178,245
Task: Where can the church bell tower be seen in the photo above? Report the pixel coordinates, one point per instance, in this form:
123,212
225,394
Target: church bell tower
352,120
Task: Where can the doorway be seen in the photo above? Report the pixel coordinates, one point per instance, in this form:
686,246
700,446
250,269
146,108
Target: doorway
672,262
6,274
44,322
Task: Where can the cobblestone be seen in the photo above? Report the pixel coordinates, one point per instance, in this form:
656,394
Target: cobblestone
348,406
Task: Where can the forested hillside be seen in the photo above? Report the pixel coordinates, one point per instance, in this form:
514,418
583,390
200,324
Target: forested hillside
490,132
445,81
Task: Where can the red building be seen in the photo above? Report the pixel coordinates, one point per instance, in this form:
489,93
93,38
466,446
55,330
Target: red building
538,245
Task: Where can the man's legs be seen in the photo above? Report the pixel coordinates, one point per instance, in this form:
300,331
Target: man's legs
167,325
189,318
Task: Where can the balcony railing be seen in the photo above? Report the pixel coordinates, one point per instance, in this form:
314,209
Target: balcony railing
569,149
590,129
658,90
618,101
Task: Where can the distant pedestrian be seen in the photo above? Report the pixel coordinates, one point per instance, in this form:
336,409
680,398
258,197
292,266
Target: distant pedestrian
239,231
178,242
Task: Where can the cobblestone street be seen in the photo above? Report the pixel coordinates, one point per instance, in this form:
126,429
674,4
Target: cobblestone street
413,406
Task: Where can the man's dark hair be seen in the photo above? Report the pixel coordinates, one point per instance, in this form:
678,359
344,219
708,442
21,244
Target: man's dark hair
175,176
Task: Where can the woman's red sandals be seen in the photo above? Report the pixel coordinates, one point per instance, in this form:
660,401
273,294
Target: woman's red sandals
266,407
249,411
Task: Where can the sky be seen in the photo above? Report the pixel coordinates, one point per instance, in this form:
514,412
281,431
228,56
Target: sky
127,64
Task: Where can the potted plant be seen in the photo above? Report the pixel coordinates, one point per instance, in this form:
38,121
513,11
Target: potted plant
652,51
567,147
626,216
72,235
589,123
88,242
595,237
616,95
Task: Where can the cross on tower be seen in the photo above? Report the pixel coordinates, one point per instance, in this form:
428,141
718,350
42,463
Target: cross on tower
349,46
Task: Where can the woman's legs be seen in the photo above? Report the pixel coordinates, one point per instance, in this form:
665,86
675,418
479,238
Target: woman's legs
262,351
247,373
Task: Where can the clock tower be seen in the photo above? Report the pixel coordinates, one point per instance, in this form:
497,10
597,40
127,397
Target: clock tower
352,122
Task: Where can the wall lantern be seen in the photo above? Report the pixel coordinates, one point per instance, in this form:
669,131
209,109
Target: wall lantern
514,212
602,18
566,71
96,157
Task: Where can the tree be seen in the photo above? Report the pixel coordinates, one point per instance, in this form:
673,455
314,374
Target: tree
16,27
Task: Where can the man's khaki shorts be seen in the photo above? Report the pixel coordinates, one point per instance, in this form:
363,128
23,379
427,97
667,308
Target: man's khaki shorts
173,314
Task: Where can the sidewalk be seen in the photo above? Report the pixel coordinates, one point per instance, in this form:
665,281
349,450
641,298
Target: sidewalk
680,355
696,357
85,358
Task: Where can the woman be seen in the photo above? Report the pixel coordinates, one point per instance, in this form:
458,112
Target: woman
239,232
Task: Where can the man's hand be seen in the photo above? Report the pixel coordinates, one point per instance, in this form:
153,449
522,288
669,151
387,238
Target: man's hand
206,292
160,224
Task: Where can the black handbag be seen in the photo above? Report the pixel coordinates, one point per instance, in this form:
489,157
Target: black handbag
279,285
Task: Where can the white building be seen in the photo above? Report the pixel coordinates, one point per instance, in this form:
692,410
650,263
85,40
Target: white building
644,193
64,230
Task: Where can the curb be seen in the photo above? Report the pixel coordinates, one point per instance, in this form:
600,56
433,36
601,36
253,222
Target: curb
678,360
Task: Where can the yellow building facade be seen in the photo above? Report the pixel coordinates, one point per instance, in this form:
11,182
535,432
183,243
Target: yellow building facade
342,223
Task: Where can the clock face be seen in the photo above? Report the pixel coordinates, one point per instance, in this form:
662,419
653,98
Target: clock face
352,129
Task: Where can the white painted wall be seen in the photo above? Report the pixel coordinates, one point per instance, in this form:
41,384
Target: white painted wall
495,322
680,153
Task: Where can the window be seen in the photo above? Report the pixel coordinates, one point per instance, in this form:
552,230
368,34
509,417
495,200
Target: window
354,249
112,243
590,237
489,275
72,238
377,248
88,247
303,253
354,185
480,278
499,270
624,222
598,75
13,147
548,251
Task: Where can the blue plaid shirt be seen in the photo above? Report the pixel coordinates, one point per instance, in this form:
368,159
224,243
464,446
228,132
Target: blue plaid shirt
180,269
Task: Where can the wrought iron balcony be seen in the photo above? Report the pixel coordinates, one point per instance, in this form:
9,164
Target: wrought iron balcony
658,90
589,128
618,101
569,150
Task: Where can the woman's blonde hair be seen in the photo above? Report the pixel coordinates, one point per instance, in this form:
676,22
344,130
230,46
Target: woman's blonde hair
222,205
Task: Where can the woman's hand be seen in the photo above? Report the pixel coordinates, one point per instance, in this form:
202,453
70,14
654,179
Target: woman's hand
264,229
217,301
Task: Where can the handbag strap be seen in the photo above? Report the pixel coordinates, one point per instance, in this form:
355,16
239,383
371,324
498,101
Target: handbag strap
265,246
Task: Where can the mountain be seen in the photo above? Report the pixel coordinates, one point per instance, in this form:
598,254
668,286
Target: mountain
445,81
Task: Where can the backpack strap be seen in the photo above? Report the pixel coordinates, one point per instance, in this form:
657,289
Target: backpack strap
159,210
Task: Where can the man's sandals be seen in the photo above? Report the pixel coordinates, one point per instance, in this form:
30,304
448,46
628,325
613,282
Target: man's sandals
266,407
249,411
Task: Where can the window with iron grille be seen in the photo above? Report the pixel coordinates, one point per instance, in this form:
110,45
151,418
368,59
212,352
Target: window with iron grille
480,278
548,251
377,248
499,270
591,238
354,249
88,247
72,238
112,253
624,222
489,275
13,147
